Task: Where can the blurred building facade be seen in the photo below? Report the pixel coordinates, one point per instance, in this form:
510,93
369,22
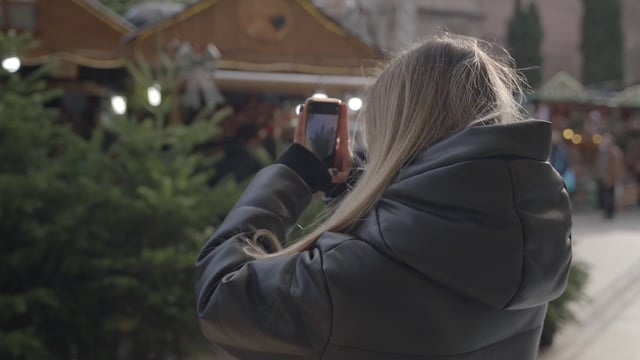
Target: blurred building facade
631,26
392,24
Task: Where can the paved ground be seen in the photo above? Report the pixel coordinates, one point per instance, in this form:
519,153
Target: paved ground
609,321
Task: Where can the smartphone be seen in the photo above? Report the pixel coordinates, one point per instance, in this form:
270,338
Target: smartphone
322,128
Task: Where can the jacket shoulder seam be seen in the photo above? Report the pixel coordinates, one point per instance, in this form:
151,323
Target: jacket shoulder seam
505,158
326,284
523,236
392,252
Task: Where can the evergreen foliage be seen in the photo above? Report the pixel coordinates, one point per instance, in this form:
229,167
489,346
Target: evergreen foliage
602,45
559,311
524,39
98,236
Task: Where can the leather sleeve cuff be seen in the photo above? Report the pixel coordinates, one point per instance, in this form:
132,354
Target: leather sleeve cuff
335,192
307,165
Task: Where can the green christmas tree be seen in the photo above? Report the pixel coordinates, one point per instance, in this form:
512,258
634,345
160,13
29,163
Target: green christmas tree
524,39
602,44
98,236
560,311
28,301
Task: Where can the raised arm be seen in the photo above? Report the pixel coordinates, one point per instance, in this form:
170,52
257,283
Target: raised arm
260,308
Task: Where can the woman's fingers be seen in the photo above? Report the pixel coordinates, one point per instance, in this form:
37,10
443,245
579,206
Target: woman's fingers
338,177
298,135
343,125
343,159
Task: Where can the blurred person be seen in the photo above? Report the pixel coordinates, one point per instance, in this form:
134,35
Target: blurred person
449,245
610,174
560,160
268,139
634,165
237,160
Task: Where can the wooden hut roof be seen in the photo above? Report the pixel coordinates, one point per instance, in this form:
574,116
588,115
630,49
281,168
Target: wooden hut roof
288,45
562,88
266,36
83,32
629,98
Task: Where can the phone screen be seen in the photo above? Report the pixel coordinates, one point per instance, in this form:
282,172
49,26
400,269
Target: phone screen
322,130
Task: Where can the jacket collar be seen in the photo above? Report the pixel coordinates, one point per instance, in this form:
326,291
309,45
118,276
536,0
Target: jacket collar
525,139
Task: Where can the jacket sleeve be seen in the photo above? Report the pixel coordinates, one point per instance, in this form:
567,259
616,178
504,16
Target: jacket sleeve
274,306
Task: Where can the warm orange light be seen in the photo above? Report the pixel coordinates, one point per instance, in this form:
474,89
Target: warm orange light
597,139
567,134
576,139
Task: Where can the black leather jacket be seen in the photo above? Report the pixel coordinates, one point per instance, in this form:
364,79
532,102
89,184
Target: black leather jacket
458,259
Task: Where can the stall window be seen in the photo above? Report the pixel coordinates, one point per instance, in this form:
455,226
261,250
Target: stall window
18,14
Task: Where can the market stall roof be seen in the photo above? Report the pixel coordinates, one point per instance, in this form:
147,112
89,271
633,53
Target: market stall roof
82,32
562,88
629,98
289,83
255,38
289,36
147,13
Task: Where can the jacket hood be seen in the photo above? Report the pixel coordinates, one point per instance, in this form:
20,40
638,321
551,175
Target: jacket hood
483,214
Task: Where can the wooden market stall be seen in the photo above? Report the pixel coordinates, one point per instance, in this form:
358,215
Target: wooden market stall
283,45
287,46
82,41
79,34
583,116
629,101
269,55
277,51
272,55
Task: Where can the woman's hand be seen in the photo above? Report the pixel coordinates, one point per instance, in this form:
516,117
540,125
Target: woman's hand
343,160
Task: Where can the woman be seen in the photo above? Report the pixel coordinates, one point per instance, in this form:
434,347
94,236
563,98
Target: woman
449,246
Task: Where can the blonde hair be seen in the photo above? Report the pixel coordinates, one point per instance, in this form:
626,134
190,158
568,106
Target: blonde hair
427,93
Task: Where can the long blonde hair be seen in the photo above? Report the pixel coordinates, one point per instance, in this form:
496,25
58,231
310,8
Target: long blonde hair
427,93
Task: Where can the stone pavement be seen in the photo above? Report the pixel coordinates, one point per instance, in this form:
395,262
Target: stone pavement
609,320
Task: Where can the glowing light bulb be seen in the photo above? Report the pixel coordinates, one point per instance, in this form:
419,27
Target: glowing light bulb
11,64
567,134
154,95
577,139
119,104
597,139
355,103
